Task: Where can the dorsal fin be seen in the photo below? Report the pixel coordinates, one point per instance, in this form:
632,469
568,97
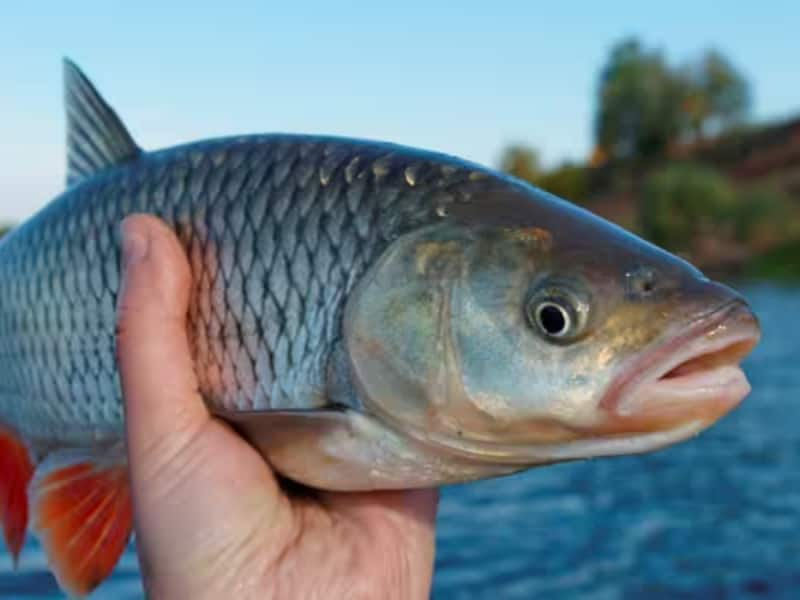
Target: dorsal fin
96,137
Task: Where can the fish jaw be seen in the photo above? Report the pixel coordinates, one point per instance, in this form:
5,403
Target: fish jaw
663,396
693,377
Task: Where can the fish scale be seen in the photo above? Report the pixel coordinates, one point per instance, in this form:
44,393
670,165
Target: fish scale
277,229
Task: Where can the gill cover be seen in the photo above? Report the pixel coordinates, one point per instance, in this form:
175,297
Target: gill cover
438,340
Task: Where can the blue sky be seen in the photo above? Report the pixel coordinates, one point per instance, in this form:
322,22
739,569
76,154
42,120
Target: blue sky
462,77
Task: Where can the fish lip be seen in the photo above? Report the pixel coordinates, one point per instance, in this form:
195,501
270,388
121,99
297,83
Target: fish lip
614,434
609,435
698,340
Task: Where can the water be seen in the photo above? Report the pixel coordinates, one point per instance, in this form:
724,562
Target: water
718,517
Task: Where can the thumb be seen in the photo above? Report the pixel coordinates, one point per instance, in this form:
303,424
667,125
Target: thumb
203,499
163,408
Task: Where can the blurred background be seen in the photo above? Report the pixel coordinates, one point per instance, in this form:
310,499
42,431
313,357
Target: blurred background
679,121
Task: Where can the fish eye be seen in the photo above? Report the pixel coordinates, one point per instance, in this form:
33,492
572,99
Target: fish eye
553,319
556,314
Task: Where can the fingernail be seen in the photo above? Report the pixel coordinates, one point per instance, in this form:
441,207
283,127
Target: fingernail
134,246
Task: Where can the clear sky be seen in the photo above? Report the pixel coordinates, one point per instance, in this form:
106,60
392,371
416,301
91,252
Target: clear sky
465,77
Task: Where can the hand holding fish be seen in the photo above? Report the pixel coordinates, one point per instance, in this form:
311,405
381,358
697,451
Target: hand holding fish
211,518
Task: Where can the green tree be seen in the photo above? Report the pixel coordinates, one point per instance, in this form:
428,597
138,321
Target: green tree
644,105
4,229
681,202
639,103
521,161
717,95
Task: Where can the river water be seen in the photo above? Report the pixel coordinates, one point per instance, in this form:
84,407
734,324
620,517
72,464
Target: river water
717,517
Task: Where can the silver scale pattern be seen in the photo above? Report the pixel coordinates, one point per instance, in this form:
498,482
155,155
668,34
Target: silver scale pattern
278,230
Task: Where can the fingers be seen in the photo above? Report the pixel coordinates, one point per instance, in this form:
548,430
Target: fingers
162,405
203,499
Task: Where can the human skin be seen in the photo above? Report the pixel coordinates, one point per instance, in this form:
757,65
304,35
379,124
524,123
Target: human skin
212,520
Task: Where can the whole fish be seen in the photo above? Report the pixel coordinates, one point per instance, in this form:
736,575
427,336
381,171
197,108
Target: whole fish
368,315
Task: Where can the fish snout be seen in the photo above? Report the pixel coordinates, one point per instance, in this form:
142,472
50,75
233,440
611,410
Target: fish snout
694,377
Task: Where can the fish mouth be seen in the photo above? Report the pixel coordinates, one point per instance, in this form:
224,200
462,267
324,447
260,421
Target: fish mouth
693,377
664,396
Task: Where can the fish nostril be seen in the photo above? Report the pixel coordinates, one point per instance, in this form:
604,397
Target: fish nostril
641,282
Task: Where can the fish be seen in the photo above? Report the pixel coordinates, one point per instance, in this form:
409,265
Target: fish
368,315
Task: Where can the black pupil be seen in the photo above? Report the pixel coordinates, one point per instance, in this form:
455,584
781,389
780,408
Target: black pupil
552,319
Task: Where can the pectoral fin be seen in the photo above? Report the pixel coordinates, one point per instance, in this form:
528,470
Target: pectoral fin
345,450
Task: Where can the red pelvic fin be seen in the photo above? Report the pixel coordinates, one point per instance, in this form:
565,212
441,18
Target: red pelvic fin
82,513
16,470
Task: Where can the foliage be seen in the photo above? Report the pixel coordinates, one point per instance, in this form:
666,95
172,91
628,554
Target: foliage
683,202
567,181
782,262
762,214
638,110
4,229
717,96
521,161
649,111
644,104
680,202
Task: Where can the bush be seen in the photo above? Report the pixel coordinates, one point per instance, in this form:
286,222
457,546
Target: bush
763,215
568,181
782,262
683,201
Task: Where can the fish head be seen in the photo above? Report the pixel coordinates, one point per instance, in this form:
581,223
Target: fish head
523,329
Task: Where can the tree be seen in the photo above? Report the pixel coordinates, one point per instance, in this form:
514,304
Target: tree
521,161
717,95
644,105
639,108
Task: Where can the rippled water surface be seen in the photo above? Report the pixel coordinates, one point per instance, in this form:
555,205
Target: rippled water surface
718,517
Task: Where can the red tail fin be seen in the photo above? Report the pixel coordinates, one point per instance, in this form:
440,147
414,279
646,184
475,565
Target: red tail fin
82,514
16,470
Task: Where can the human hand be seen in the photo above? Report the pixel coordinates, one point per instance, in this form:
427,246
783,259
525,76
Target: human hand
211,519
